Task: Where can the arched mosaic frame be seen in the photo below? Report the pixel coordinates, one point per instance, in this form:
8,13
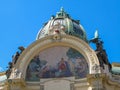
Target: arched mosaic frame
58,40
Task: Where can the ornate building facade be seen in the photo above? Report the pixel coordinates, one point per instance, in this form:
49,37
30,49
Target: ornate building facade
61,59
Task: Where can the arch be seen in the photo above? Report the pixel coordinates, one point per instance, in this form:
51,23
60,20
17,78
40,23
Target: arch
57,40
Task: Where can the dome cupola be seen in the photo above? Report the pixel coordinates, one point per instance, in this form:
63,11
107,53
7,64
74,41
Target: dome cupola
62,23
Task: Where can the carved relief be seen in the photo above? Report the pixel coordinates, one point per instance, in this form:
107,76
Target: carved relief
15,73
96,68
57,28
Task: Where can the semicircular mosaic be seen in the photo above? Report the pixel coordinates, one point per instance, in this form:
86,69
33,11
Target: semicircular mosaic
56,62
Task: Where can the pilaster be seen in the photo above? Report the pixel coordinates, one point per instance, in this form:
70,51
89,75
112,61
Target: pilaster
96,81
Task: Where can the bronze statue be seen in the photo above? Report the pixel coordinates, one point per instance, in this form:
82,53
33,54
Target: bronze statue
15,57
21,48
9,70
100,51
17,54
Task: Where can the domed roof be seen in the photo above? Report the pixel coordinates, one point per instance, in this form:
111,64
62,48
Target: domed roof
62,23
116,70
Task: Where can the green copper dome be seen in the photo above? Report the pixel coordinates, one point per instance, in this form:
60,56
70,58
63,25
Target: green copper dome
116,70
62,23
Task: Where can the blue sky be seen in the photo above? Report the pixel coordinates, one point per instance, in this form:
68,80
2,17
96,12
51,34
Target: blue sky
20,20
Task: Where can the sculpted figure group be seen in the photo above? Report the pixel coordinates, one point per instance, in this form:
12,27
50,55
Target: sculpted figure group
101,53
14,60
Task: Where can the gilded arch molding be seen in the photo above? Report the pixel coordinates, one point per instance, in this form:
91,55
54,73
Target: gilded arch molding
57,40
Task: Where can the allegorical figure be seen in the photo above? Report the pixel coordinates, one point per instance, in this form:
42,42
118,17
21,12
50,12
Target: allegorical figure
33,69
100,51
63,68
45,71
